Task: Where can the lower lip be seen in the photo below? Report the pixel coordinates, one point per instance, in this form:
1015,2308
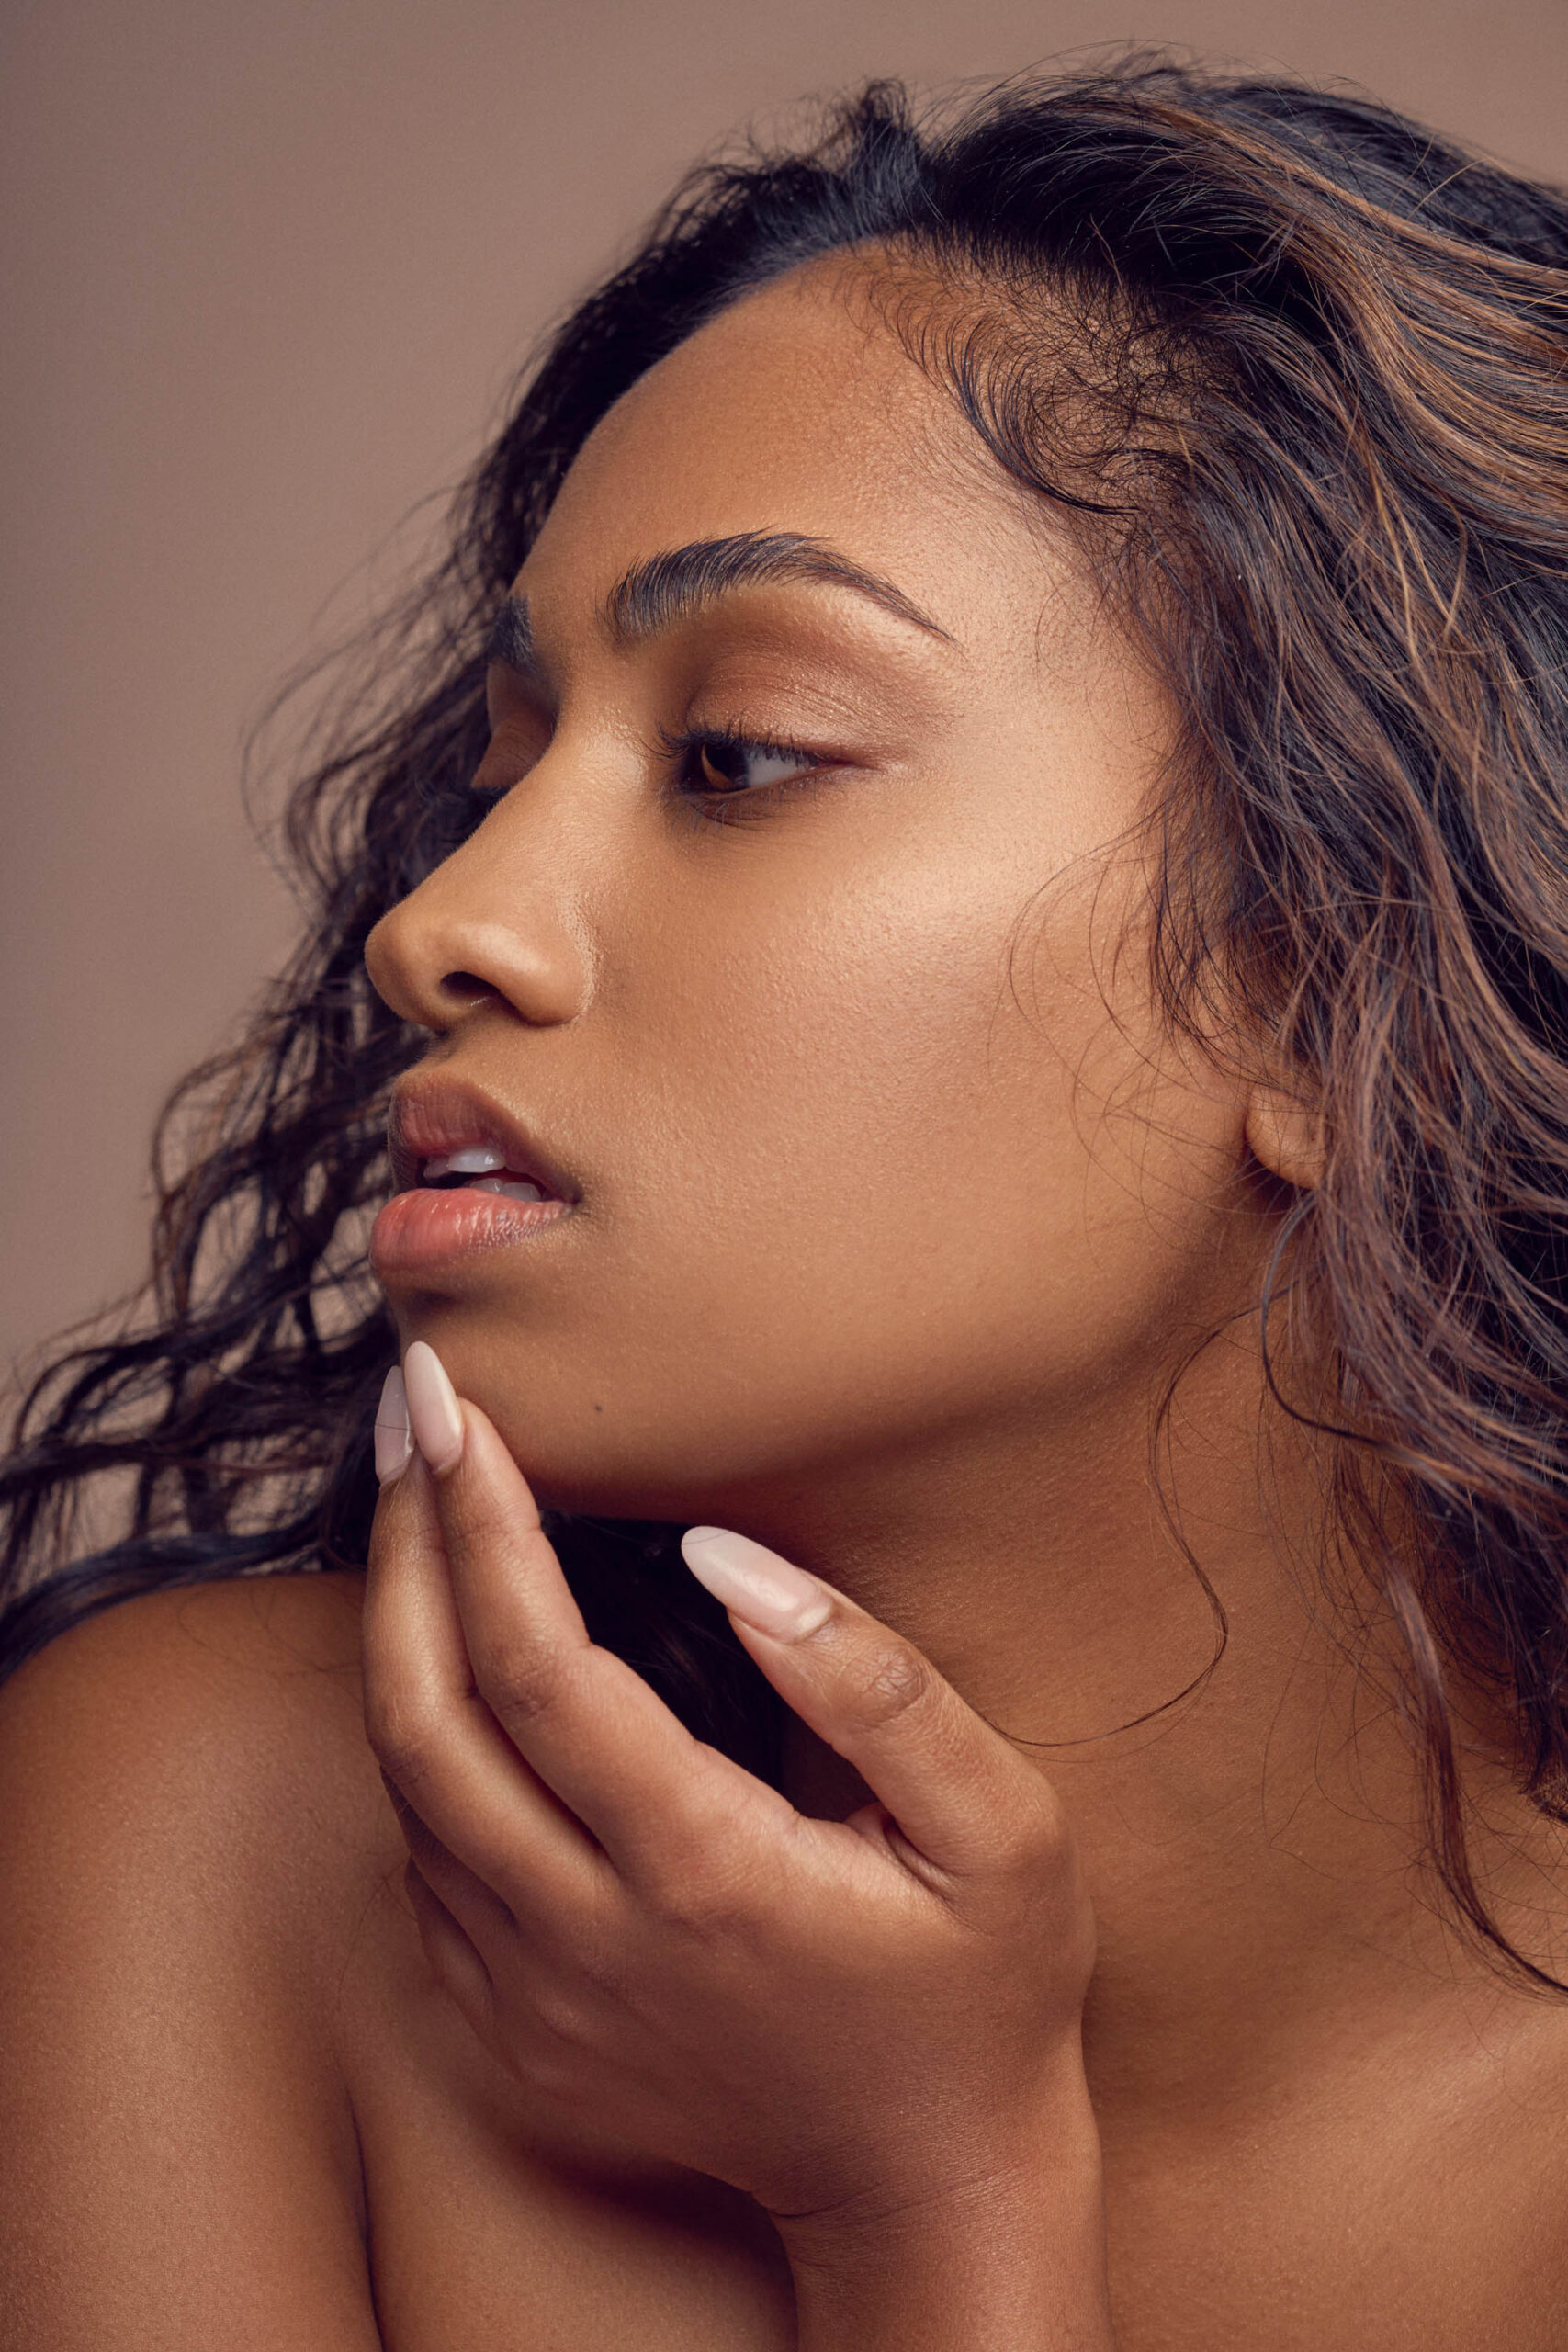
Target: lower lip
423,1229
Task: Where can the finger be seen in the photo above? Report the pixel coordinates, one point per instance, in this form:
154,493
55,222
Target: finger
962,1794
478,1909
658,1801
435,1736
454,1963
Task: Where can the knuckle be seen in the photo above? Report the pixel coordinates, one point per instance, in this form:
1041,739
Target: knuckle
473,1522
601,1970
401,1733
888,1682
546,2069
518,1676
688,1907
701,1896
566,2018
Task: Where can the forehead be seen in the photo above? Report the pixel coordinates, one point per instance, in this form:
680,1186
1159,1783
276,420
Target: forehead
795,410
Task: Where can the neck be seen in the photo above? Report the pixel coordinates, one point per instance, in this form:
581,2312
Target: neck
1249,1822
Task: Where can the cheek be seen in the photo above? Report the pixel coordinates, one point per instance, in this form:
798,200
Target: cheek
869,1186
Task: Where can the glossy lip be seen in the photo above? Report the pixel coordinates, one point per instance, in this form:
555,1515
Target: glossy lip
422,1235
431,1113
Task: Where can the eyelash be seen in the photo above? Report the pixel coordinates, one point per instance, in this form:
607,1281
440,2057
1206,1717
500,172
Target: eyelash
683,749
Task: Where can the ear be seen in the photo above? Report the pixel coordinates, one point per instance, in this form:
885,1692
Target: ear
1286,1135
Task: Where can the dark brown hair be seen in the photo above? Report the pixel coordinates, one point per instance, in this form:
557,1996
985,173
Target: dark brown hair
1318,441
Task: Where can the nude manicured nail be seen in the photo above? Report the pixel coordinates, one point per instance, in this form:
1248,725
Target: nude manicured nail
755,1584
435,1415
394,1439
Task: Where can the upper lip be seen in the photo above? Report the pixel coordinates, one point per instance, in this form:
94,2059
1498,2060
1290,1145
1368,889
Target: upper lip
432,1114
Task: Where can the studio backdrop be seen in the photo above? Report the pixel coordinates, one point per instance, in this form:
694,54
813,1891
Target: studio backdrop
267,271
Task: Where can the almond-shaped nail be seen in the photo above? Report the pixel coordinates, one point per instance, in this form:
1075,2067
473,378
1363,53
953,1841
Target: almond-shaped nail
394,1439
435,1415
755,1584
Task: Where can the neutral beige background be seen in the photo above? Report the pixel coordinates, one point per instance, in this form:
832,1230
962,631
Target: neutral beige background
266,271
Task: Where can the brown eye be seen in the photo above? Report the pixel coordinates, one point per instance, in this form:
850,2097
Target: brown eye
731,764
716,770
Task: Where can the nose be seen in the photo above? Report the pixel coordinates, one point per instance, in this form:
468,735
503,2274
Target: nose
493,924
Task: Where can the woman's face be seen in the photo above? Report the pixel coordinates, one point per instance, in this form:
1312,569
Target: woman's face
786,944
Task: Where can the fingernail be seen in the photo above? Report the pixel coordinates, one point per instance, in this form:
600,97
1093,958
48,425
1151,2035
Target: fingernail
394,1440
755,1584
435,1414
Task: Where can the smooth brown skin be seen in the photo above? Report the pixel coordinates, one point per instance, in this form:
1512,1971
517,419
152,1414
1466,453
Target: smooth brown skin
882,1255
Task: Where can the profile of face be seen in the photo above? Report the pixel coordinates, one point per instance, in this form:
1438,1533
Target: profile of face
788,944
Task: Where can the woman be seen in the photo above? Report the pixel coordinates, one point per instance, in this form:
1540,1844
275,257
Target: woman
966,933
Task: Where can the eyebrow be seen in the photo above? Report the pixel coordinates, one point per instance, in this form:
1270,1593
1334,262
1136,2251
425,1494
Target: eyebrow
667,588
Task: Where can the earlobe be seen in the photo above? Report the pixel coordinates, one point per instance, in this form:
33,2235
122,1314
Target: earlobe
1286,1135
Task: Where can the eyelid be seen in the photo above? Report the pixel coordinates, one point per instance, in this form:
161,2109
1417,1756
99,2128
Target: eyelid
506,756
507,689
678,744
675,745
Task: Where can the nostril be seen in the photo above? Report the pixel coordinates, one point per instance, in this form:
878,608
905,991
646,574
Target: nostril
467,987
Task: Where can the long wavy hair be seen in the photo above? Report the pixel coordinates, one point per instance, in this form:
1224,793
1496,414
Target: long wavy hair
1296,371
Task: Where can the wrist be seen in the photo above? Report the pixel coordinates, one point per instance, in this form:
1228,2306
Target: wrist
1013,2261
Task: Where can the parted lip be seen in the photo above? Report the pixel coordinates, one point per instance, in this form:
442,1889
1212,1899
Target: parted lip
434,1113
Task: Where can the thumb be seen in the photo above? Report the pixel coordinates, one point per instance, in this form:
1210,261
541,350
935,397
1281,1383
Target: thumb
961,1794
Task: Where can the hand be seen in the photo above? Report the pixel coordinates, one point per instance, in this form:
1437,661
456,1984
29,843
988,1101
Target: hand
845,2020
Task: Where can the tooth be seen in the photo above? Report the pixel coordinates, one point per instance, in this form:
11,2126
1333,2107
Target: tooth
474,1160
513,1191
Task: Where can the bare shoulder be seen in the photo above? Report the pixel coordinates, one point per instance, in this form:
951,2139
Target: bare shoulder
275,1627
190,1822
223,1718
